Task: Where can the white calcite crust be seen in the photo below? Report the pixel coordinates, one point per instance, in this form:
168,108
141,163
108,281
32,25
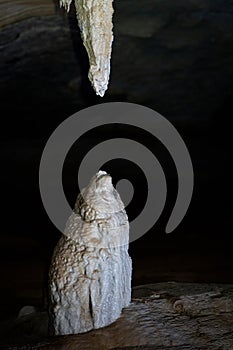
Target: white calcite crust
90,273
95,23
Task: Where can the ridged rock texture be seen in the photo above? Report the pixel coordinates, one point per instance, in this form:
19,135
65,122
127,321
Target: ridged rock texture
90,273
161,316
95,23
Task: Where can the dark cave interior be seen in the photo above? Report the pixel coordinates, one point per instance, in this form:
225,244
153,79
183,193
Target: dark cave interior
175,58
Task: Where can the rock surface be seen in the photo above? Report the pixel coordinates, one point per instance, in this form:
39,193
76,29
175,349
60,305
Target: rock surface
18,10
90,273
161,316
95,23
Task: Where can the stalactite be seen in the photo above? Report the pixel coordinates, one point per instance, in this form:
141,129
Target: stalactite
95,23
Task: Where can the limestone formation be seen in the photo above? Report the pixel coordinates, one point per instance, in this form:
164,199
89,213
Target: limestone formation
90,274
95,23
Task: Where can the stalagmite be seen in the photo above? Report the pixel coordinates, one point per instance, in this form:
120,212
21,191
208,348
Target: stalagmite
95,23
90,273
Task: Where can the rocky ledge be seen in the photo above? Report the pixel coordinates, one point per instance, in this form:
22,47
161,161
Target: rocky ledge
161,316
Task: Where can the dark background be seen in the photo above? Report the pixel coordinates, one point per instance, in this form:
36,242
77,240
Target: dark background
175,57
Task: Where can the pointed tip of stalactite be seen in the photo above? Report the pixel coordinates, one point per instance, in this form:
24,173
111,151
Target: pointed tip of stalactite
100,93
98,87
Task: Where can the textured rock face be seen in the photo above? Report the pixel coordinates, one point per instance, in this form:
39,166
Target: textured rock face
18,10
95,23
168,315
90,274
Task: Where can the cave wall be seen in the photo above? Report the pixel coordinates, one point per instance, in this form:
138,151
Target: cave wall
173,56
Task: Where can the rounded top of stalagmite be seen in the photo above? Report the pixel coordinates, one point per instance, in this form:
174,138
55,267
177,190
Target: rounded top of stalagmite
100,194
